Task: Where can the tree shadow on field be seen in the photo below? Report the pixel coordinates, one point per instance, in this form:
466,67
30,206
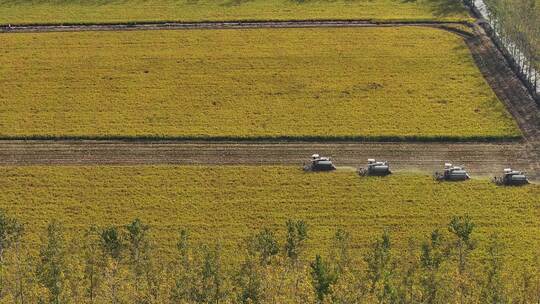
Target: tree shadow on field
444,8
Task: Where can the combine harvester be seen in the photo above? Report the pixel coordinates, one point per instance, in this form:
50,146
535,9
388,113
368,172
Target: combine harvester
452,173
511,178
375,168
318,163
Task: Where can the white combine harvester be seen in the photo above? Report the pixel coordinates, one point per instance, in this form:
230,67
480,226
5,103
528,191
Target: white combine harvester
319,163
375,168
511,178
452,173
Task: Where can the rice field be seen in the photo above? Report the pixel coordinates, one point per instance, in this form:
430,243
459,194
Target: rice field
114,11
227,203
349,83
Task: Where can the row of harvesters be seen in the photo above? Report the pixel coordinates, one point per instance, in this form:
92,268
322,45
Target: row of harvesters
450,173
319,163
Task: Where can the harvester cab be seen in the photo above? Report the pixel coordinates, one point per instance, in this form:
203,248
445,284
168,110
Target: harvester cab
511,178
375,168
319,163
452,173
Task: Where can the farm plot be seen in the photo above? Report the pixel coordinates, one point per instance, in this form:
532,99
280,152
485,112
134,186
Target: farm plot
348,83
227,203
110,11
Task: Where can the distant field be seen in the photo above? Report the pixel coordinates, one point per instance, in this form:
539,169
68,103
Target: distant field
106,11
347,83
228,203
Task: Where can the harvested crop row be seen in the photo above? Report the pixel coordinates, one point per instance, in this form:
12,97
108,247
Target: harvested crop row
228,203
26,12
349,83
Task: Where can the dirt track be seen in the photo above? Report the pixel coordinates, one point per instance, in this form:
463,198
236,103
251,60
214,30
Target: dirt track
506,84
481,158
214,25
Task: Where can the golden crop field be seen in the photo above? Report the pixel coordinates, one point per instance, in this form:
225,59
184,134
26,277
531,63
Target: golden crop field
227,203
347,83
94,11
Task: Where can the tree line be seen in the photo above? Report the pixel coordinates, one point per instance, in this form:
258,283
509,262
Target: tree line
516,26
121,265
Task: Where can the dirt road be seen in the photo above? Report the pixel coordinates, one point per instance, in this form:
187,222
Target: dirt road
505,84
481,158
213,25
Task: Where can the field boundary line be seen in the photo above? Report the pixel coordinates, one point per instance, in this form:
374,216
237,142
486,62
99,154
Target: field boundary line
75,27
284,138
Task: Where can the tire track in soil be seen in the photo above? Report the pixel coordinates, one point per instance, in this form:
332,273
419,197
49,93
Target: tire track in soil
217,25
484,159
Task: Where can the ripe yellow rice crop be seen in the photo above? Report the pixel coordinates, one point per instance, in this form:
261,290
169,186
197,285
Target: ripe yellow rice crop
227,203
348,83
93,11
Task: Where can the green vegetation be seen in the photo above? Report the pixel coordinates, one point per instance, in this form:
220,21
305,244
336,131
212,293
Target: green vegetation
229,203
121,265
347,83
517,22
108,11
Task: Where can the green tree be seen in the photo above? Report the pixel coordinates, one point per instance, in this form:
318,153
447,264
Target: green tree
137,244
433,254
297,234
322,277
182,291
51,268
111,243
249,278
112,248
140,259
341,251
10,233
409,265
266,245
462,228
92,263
493,290
381,270
348,287
21,281
526,283
295,240
210,278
